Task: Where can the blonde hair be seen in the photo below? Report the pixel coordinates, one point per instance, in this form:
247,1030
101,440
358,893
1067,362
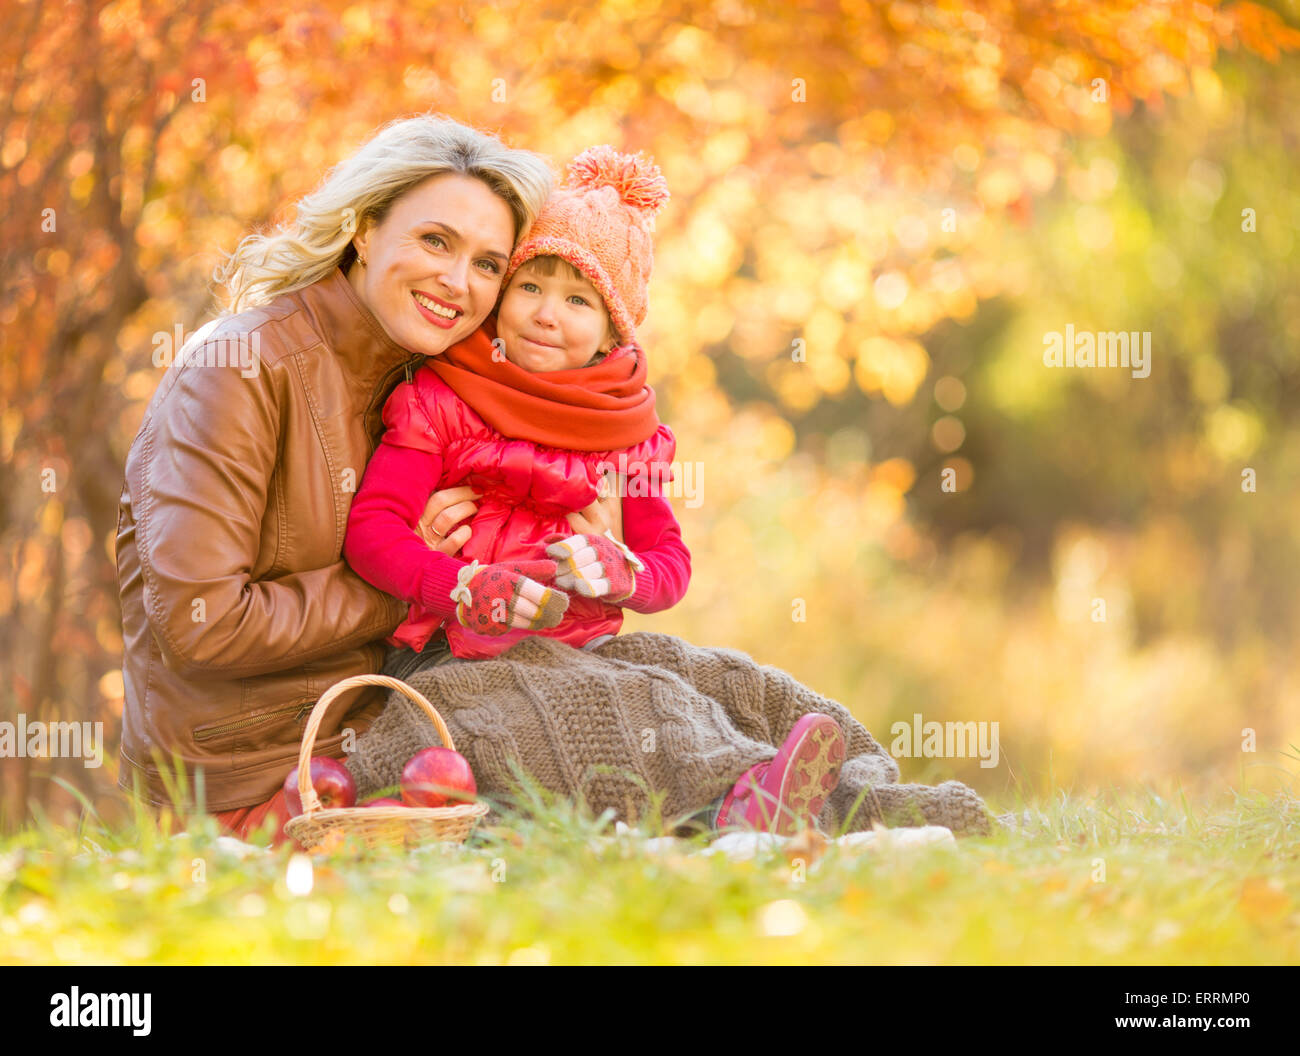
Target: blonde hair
364,187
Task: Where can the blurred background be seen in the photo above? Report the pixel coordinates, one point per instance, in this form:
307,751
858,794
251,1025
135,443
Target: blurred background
878,212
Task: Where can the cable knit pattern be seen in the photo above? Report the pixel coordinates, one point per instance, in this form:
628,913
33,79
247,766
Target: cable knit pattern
705,714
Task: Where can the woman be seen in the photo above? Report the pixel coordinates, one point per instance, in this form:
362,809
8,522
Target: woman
238,610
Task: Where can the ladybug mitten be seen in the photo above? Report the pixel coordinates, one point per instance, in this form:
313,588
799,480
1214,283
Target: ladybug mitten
495,599
595,566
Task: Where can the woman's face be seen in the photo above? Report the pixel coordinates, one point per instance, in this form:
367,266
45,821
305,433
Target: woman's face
434,265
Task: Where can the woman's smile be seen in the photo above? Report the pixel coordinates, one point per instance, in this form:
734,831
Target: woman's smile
440,313
450,233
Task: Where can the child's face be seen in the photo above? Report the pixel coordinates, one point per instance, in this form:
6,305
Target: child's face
551,322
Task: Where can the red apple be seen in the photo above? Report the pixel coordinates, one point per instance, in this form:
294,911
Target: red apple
331,780
383,801
435,777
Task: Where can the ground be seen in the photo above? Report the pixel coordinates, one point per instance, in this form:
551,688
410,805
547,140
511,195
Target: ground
1116,878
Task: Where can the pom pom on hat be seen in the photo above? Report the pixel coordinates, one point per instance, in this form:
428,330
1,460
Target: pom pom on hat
636,178
601,221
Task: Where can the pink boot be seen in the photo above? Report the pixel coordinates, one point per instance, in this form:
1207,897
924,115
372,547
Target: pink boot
782,795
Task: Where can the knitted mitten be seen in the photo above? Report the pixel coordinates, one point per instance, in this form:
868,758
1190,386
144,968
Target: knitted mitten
490,597
595,566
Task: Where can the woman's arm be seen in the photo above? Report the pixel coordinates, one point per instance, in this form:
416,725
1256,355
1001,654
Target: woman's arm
198,490
605,513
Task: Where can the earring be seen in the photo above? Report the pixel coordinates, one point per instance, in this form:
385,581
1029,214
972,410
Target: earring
361,260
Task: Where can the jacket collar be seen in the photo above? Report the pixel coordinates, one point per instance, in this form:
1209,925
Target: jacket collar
355,335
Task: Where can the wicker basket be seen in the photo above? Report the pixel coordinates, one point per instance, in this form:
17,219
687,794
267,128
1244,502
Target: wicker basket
326,830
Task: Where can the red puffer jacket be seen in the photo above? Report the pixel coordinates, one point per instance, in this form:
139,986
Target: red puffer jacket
527,490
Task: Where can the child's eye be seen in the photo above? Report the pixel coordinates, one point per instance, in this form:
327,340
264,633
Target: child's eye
579,298
531,287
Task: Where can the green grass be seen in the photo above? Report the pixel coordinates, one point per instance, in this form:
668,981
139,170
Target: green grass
1211,882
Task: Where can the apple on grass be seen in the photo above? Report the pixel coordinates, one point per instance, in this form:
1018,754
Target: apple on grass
437,777
331,780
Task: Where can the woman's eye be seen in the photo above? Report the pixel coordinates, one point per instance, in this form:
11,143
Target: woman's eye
491,266
435,238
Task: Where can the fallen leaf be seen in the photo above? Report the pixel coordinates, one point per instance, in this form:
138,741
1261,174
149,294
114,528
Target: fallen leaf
806,846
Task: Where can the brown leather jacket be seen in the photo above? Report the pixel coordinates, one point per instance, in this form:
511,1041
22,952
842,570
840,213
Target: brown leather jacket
237,608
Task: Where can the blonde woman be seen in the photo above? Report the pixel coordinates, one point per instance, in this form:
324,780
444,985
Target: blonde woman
237,607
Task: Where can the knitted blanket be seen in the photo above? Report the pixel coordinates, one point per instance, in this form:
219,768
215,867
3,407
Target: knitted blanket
640,714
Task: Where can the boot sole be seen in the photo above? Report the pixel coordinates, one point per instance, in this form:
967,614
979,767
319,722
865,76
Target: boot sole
807,779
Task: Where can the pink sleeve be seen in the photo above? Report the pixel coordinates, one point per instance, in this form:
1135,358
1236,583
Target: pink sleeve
652,533
381,544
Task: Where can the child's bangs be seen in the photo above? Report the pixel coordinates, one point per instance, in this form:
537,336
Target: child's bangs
548,265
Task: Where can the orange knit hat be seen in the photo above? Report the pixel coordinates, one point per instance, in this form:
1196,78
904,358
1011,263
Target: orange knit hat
601,221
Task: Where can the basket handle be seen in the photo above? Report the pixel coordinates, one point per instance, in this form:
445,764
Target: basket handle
311,801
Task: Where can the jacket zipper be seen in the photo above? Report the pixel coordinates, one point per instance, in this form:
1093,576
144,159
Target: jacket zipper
238,724
384,384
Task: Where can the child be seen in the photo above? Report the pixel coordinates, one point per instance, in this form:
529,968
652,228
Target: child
532,429
530,412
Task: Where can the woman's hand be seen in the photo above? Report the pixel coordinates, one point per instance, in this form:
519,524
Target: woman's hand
605,513
444,509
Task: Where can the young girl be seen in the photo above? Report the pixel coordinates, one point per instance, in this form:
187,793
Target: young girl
530,412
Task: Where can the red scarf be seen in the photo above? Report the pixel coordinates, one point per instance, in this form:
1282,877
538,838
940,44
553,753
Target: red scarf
603,407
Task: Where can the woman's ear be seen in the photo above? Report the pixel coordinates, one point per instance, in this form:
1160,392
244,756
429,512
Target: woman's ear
361,240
